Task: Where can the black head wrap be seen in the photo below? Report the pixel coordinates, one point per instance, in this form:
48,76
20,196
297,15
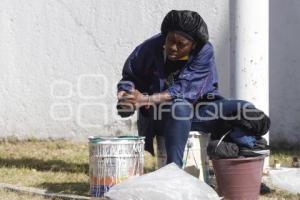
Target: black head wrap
187,22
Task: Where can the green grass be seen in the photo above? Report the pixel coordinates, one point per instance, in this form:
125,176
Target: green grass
62,166
57,166
8,195
280,195
284,157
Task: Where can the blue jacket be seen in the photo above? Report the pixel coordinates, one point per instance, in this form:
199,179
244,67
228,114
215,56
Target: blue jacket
144,70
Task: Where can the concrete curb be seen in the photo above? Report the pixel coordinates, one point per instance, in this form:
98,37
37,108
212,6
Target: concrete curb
40,192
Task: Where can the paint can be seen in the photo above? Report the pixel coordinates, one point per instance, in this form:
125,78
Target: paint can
112,160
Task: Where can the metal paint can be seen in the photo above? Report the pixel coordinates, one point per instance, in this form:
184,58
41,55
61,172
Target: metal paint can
112,160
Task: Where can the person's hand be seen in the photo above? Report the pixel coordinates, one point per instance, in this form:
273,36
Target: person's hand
136,98
125,108
121,95
123,100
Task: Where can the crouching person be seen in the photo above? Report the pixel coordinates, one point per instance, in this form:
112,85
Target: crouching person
171,79
169,71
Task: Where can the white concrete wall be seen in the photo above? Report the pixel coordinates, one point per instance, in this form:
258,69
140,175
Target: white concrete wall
55,56
285,72
48,49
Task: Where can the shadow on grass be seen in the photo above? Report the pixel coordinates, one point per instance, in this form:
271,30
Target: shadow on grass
45,165
67,188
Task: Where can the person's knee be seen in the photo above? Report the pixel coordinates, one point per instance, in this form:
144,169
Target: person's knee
181,109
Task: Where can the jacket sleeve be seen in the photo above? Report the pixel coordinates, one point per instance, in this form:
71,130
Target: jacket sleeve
198,78
130,72
136,69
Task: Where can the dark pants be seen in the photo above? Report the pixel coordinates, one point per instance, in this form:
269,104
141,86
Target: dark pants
179,117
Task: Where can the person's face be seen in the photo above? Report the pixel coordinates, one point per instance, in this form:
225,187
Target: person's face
177,46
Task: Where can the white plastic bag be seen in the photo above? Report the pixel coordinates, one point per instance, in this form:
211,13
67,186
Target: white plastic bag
167,183
286,178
